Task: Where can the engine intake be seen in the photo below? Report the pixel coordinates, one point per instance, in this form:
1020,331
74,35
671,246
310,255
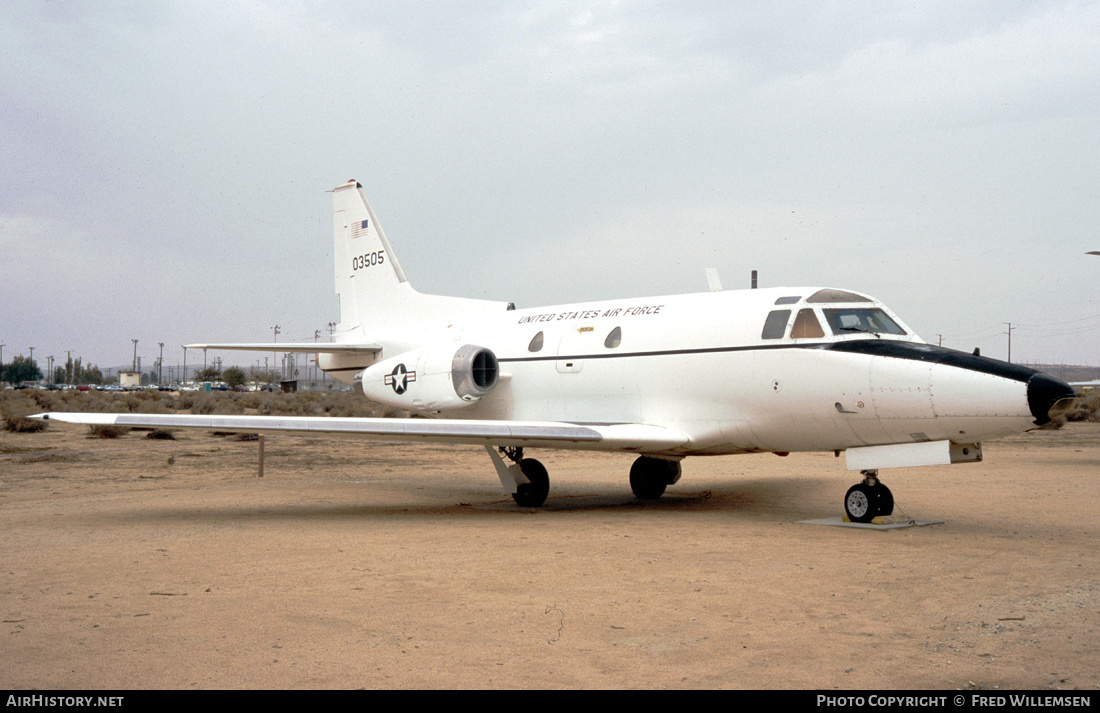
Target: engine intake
474,371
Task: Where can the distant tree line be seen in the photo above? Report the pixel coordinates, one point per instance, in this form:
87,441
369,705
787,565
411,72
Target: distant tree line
23,369
76,373
234,376
20,369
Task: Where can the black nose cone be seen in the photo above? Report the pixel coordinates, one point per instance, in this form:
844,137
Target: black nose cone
1043,392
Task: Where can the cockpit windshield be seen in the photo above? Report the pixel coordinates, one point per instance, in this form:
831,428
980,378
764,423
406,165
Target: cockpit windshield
848,320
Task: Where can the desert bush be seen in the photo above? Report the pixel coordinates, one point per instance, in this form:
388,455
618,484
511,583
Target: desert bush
1086,408
44,400
1053,424
16,423
222,402
304,403
15,407
101,431
348,405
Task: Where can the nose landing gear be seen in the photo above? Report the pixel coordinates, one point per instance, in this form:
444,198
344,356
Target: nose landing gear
867,500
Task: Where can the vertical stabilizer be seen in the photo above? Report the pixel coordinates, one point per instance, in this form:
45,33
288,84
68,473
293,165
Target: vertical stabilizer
370,284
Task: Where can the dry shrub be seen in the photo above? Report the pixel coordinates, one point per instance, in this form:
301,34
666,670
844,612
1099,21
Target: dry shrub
1053,424
348,405
15,406
1085,408
101,431
21,424
221,402
186,400
341,404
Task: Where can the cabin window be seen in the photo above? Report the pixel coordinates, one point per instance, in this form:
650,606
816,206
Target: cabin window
776,324
614,338
848,320
788,300
828,295
536,343
806,326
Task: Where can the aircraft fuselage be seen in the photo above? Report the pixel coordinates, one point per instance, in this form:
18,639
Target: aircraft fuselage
736,372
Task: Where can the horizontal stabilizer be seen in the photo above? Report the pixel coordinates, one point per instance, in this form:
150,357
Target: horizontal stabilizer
296,347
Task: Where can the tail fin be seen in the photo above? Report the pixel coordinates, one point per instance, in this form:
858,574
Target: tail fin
370,284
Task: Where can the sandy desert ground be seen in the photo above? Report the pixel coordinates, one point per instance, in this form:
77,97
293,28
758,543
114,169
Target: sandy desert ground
137,563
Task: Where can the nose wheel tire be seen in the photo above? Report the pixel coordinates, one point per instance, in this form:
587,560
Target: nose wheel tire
863,502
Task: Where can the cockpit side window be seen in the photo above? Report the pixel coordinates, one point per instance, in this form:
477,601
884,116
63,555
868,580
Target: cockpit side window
776,324
849,320
806,326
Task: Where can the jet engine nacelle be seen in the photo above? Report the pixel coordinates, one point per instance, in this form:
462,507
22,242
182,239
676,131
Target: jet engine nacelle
431,379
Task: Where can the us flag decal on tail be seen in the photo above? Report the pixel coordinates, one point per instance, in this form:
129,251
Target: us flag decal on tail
359,228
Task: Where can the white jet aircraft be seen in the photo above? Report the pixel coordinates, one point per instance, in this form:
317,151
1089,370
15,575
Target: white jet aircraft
717,373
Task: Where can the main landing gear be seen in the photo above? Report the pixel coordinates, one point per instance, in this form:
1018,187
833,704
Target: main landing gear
528,482
650,476
867,500
533,493
525,478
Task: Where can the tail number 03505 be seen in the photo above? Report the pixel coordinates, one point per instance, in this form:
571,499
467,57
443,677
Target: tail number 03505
362,262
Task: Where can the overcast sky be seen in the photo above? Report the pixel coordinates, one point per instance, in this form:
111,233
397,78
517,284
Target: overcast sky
165,165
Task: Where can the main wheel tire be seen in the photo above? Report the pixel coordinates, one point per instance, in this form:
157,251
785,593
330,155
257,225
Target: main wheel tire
650,476
861,503
885,500
533,494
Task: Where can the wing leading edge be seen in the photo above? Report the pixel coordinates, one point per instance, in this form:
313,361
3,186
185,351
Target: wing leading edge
628,437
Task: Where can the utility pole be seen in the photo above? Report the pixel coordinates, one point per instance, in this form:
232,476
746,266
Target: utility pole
275,355
70,376
1009,341
160,363
134,368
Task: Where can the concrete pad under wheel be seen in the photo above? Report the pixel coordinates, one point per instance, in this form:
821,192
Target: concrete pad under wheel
888,522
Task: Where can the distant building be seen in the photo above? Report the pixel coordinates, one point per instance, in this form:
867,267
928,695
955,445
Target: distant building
129,379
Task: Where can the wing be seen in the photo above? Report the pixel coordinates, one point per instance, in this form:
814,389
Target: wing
297,347
627,437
